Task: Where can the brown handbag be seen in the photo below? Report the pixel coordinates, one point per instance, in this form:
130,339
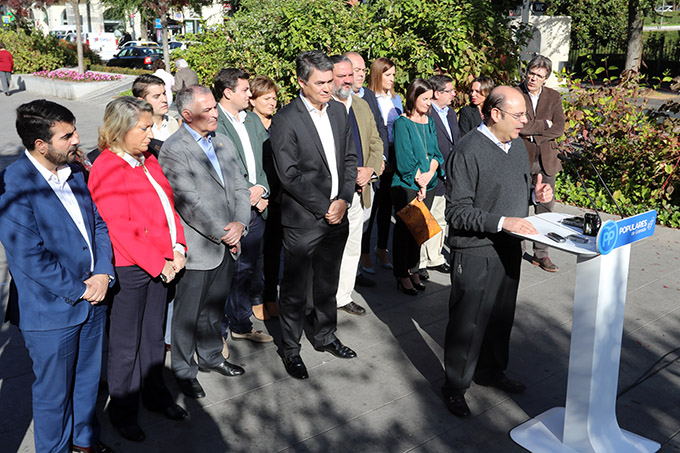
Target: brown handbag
419,221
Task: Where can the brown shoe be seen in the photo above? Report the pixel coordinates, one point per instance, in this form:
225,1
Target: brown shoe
545,264
254,335
272,309
260,312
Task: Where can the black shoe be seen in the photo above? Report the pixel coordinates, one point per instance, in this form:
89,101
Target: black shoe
99,447
225,368
443,268
172,411
131,432
457,405
365,281
191,388
506,384
424,274
338,349
353,309
405,290
295,367
420,286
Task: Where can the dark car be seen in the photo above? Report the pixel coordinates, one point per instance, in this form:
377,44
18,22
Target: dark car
136,57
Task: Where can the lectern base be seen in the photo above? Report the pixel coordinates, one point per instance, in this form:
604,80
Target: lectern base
543,434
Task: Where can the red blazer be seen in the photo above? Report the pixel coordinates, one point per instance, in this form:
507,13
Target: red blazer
132,210
6,61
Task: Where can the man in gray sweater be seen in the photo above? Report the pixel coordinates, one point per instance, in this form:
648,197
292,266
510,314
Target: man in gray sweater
488,192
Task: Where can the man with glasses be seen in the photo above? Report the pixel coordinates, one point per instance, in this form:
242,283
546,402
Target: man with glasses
488,192
545,123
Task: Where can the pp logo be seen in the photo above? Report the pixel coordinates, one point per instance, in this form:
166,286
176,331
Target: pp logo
607,237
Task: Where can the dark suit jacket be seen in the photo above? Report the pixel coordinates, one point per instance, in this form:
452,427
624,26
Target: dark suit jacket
468,119
445,143
543,147
369,97
257,135
48,257
302,167
205,205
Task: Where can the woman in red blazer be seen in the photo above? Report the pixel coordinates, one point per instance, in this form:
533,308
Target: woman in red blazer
135,200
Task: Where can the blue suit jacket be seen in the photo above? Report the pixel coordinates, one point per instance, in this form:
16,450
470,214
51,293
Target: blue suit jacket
48,257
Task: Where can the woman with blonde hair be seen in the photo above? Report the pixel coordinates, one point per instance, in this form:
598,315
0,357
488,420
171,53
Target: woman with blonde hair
136,201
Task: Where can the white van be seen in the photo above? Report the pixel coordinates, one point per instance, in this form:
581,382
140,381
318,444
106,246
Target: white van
104,44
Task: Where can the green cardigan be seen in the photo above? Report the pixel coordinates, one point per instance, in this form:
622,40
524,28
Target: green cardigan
410,139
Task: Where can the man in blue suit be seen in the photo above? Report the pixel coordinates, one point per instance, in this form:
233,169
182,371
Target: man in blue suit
60,259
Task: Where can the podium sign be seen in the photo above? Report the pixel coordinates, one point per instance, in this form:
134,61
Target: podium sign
613,235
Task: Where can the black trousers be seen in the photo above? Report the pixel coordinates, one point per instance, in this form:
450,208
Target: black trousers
481,314
273,243
405,249
310,253
136,345
198,312
381,214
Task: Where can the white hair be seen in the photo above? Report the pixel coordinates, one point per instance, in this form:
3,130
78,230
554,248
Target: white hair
181,63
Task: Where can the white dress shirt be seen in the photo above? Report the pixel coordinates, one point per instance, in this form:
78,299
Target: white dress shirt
323,127
239,125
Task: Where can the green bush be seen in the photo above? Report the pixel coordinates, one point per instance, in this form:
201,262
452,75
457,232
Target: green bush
636,149
461,38
32,51
117,70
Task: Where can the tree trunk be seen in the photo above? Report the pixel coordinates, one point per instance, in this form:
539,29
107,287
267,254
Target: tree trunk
79,34
635,21
166,47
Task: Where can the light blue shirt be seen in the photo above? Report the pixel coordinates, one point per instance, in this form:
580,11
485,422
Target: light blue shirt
443,115
206,145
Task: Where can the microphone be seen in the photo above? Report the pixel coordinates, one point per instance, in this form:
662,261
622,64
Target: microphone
566,156
604,184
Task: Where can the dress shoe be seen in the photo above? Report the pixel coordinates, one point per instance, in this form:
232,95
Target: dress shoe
295,367
364,281
418,285
424,274
131,432
99,447
254,335
506,384
191,388
338,349
457,405
405,290
443,268
367,270
381,256
353,309
225,368
260,312
172,411
545,264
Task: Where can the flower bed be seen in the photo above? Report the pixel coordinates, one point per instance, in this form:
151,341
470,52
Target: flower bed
75,76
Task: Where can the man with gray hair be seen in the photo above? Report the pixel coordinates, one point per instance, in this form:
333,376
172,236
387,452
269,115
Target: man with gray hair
545,123
184,77
316,163
369,150
212,199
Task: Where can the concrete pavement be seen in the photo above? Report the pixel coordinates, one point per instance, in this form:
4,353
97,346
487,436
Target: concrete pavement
388,399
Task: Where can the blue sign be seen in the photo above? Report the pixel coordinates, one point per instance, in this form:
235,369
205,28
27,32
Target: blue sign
626,231
158,23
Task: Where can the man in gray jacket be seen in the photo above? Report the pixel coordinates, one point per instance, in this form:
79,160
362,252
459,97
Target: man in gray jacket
212,198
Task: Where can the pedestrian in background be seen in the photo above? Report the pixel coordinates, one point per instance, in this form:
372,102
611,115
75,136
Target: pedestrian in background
6,67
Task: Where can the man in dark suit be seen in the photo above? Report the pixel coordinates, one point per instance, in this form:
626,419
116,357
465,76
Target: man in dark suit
60,259
545,124
448,134
315,159
212,198
247,133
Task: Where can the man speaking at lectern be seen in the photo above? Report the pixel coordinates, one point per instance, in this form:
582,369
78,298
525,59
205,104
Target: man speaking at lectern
488,192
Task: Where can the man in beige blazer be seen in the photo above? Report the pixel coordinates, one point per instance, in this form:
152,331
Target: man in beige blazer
369,148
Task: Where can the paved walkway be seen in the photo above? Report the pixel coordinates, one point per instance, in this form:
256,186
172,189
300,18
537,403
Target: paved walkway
388,399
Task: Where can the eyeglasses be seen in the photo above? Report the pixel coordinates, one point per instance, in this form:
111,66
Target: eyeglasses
533,74
447,91
517,116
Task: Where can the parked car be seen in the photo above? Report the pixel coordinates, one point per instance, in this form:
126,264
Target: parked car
181,45
139,44
136,57
664,9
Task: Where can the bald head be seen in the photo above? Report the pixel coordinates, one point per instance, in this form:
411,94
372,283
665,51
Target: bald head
505,112
359,68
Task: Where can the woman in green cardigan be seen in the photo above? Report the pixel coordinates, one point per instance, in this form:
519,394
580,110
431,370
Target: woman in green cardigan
418,163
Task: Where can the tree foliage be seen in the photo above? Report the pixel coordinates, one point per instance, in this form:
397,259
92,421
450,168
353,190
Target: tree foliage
593,21
463,39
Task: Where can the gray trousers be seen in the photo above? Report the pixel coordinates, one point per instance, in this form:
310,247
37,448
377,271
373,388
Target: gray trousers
5,79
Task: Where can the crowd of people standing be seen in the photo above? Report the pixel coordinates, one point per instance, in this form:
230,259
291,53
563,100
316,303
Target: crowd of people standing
182,224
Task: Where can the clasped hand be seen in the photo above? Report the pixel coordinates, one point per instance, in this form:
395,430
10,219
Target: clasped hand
96,287
336,211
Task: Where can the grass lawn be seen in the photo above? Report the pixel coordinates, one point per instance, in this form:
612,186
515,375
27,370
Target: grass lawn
671,18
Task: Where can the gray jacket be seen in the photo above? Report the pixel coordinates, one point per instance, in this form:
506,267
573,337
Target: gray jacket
203,203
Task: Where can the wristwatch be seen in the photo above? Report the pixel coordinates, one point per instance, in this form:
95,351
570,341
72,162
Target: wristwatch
163,278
